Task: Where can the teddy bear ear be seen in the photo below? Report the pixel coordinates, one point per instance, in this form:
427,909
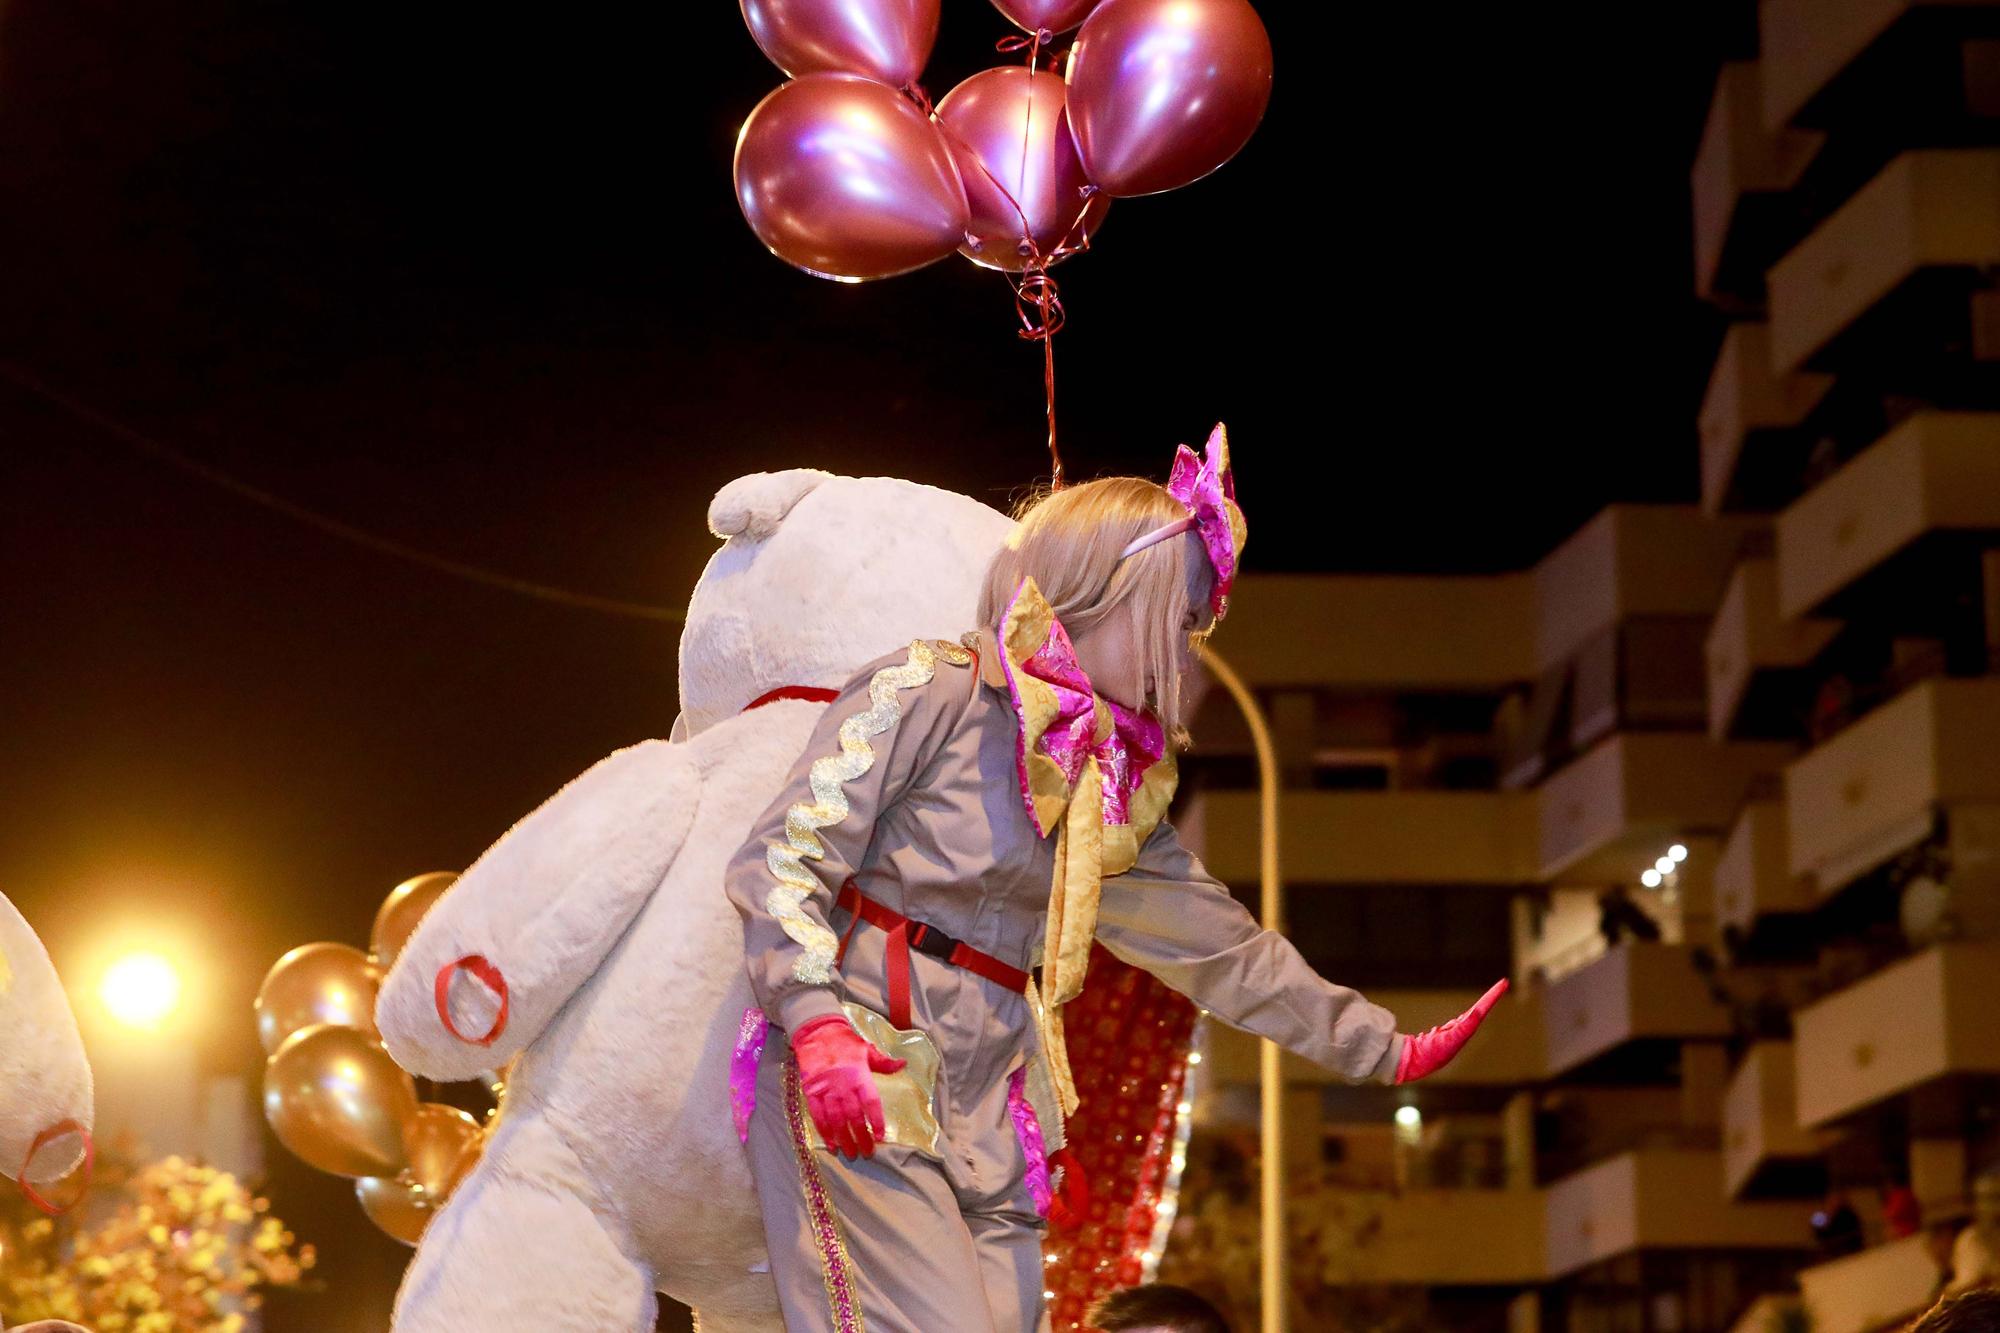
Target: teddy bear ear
755,505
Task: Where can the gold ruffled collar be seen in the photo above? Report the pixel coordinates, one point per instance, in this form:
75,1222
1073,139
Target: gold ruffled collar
1092,772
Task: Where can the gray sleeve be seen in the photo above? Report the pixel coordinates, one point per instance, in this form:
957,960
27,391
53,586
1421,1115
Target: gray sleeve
785,893
1169,916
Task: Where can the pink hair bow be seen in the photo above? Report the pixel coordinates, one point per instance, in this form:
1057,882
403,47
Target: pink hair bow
1207,487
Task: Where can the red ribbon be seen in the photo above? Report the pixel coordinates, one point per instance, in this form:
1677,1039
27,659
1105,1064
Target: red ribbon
811,693
43,1140
1031,42
486,972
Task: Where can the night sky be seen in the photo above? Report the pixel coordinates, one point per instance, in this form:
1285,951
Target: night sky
474,279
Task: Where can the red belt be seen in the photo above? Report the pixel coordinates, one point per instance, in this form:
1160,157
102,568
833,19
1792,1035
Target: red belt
905,935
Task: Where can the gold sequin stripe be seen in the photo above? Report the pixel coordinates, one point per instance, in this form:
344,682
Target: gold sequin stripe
814,965
835,1269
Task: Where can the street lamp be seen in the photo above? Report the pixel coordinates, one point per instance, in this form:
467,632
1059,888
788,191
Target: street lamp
141,989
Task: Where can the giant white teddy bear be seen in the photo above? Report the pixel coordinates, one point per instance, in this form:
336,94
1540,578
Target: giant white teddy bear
45,1088
615,1169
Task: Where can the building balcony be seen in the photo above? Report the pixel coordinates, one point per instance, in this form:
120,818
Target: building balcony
1814,48
1374,631
1660,1199
1753,444
1738,168
1418,1238
1918,1021
1937,473
1872,1290
1873,789
1760,1125
1753,879
1630,561
1610,813
1756,657
1374,837
1931,214
1631,993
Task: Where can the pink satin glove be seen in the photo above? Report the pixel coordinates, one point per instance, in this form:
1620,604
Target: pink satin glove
1427,1052
836,1065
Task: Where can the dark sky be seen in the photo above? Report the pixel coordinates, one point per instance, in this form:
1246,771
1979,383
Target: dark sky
473,278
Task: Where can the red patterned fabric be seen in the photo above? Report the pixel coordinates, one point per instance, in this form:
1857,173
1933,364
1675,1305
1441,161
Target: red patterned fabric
1129,1038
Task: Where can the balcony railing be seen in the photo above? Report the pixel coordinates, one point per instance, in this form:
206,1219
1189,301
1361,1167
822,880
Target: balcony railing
1871,1290
1659,1199
1637,990
1923,1019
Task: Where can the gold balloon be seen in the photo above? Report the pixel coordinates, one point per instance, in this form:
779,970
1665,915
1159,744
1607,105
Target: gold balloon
316,983
396,1205
335,1098
400,912
442,1142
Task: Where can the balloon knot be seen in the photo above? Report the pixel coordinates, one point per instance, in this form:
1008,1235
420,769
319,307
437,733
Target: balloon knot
1039,304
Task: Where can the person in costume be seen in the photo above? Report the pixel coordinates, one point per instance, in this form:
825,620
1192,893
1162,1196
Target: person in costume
965,813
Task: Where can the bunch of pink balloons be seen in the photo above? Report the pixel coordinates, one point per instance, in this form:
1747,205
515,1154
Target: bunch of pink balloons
848,172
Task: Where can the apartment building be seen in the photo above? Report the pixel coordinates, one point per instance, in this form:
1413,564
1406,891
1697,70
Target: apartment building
1718,785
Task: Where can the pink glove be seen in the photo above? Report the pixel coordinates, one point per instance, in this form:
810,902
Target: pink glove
1427,1052
835,1064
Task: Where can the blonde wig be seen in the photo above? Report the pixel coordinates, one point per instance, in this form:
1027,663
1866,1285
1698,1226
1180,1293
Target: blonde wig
1070,541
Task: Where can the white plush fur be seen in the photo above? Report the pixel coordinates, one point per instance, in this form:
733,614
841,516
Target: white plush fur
44,1079
616,1170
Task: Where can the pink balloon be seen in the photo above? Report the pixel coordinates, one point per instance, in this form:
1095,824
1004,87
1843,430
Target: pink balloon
1162,92
846,179
1055,15
987,118
887,40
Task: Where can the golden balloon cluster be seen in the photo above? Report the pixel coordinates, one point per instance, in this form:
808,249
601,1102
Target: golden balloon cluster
333,1095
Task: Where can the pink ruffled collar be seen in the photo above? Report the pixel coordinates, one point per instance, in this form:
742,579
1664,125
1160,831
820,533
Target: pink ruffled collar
1065,723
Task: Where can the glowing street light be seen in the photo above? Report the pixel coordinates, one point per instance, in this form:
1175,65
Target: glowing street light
1651,879
140,990
1677,853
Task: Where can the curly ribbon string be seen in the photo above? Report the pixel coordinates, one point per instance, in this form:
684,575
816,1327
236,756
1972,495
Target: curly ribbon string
1037,301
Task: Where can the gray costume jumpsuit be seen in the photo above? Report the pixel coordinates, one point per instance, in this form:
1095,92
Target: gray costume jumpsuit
935,828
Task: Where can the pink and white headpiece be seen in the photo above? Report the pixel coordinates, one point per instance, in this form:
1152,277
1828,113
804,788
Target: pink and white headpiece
1208,488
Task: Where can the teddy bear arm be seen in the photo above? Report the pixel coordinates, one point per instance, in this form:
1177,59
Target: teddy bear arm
43,1070
531,921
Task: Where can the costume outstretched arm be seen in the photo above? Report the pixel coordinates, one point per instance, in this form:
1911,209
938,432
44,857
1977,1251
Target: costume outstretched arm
1169,916
869,745
513,939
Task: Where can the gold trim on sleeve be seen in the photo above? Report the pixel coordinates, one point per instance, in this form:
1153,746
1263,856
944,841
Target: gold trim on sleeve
828,807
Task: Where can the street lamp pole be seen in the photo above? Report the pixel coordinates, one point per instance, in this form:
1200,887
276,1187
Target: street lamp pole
1271,1135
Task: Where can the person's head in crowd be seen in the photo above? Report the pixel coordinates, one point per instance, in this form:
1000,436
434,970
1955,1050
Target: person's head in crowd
1973,1312
1155,1308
